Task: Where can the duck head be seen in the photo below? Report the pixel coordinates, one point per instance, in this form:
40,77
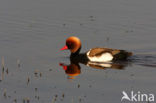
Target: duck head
73,44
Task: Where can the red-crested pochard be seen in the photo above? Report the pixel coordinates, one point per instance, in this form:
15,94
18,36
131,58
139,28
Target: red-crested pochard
95,54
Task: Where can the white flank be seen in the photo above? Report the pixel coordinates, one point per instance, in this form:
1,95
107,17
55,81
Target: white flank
105,57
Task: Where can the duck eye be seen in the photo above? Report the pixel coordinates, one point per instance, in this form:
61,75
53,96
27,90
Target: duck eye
69,44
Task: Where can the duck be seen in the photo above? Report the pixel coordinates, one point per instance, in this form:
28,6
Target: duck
97,54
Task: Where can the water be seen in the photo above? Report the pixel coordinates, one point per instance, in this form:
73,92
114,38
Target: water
33,31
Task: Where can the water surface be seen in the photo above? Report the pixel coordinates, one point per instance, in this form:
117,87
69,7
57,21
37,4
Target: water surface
33,31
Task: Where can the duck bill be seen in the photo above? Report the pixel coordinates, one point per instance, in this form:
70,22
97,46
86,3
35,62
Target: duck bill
64,48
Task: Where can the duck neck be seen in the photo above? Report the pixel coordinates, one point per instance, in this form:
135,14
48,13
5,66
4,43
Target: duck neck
76,53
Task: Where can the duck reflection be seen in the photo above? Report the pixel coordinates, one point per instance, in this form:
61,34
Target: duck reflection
71,70
74,69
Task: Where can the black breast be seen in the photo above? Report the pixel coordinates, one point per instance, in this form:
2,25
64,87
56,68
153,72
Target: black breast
79,58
